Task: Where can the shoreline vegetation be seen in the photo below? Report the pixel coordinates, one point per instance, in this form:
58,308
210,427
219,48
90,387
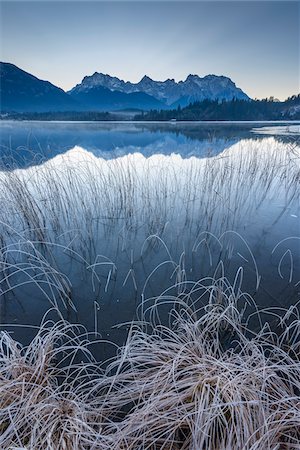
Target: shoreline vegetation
208,382
207,110
203,365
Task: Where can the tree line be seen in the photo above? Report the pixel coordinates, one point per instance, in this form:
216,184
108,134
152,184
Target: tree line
266,109
211,110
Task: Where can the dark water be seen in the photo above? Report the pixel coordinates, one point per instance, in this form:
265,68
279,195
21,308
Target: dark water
100,219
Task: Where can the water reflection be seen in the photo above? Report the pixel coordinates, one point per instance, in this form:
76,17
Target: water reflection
97,237
30,143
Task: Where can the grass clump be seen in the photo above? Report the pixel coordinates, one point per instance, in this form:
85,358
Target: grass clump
44,401
209,383
205,382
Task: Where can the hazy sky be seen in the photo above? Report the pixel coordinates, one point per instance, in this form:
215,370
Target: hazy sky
256,43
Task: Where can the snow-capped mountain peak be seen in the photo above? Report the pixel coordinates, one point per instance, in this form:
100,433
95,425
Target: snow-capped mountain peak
193,88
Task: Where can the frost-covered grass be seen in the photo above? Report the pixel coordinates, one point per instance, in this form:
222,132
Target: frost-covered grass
44,395
208,382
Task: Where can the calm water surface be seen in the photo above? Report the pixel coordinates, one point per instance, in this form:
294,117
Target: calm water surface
99,219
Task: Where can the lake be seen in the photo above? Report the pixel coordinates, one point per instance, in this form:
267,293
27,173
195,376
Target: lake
100,221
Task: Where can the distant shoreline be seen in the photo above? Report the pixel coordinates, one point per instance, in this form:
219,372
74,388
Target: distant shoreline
181,122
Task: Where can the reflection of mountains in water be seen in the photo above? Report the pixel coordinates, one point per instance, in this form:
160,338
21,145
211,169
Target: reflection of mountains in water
110,227
30,143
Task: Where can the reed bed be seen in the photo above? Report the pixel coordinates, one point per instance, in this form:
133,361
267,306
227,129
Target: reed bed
87,218
194,372
79,195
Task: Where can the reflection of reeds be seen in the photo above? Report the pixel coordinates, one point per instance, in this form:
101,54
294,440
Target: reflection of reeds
205,383
80,209
83,194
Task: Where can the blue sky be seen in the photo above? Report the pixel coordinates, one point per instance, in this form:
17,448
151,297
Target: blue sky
256,43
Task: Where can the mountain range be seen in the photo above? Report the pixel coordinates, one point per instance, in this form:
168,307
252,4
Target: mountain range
169,92
23,92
